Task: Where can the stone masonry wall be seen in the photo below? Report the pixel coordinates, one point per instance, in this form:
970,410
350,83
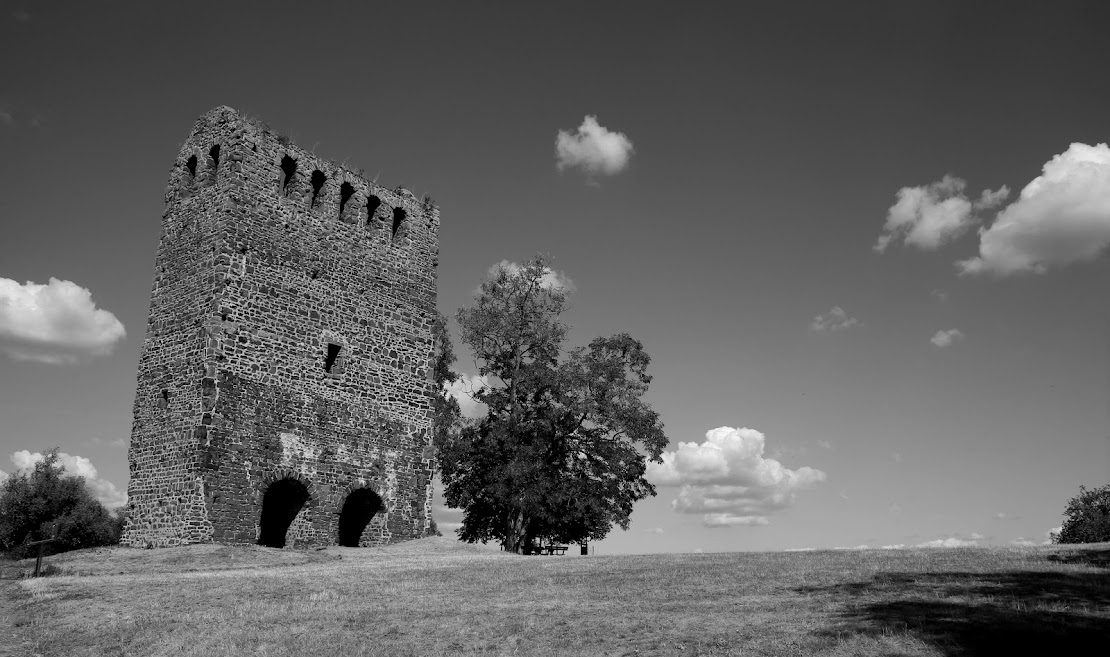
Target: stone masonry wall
260,277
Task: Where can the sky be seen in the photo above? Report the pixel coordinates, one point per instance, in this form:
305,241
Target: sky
864,243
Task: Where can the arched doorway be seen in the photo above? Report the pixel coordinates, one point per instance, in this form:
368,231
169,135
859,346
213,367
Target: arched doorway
359,507
280,505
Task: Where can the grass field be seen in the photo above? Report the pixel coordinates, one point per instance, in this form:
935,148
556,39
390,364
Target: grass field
438,597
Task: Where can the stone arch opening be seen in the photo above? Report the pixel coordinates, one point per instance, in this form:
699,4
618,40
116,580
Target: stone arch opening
318,180
288,168
372,204
280,505
399,217
358,509
346,191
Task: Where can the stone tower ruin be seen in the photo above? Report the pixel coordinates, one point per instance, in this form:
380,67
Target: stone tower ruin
284,392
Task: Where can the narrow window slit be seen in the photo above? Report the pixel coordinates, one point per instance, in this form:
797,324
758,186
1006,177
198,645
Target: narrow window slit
191,165
214,153
333,353
318,180
372,204
398,219
346,191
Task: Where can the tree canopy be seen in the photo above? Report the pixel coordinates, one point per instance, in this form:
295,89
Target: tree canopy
562,450
33,503
1088,517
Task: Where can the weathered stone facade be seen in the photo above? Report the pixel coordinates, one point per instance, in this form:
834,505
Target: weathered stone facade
284,385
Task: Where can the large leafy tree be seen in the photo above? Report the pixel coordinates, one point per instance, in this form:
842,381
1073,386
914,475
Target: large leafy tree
33,504
562,450
1088,517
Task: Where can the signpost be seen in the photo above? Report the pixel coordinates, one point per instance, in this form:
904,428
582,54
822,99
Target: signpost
42,544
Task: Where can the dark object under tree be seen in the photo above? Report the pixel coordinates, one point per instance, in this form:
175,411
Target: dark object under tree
562,450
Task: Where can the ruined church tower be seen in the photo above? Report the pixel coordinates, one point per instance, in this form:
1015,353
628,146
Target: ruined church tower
284,392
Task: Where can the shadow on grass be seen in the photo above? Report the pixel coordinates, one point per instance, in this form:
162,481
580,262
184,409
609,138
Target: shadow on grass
991,613
1097,558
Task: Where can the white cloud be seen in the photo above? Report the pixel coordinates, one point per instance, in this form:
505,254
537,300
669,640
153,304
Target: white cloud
654,530
897,546
942,339
1062,217
940,295
836,319
1001,515
858,547
808,549
824,444
949,543
1023,542
593,149
930,215
989,199
976,536
3,476
76,466
727,478
463,390
47,323
730,520
551,279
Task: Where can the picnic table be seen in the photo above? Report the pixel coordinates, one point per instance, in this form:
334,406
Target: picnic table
552,549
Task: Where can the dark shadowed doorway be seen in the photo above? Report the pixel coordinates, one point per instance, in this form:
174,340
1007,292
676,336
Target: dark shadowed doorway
280,505
360,507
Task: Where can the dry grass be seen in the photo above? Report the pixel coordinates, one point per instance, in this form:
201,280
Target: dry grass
437,597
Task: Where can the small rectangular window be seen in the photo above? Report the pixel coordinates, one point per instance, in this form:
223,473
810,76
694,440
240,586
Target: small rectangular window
333,353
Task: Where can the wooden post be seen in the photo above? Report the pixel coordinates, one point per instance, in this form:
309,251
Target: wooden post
42,544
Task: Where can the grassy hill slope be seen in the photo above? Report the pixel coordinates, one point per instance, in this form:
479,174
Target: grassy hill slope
438,597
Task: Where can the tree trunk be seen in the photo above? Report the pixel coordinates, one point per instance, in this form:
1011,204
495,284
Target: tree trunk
516,534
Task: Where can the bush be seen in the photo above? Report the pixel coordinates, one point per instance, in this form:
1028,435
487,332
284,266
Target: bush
32,504
1088,517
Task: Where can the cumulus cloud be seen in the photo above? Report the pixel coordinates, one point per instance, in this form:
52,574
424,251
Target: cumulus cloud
76,466
942,339
896,546
593,149
551,279
55,322
949,543
728,480
463,390
1062,217
930,215
836,319
1023,542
